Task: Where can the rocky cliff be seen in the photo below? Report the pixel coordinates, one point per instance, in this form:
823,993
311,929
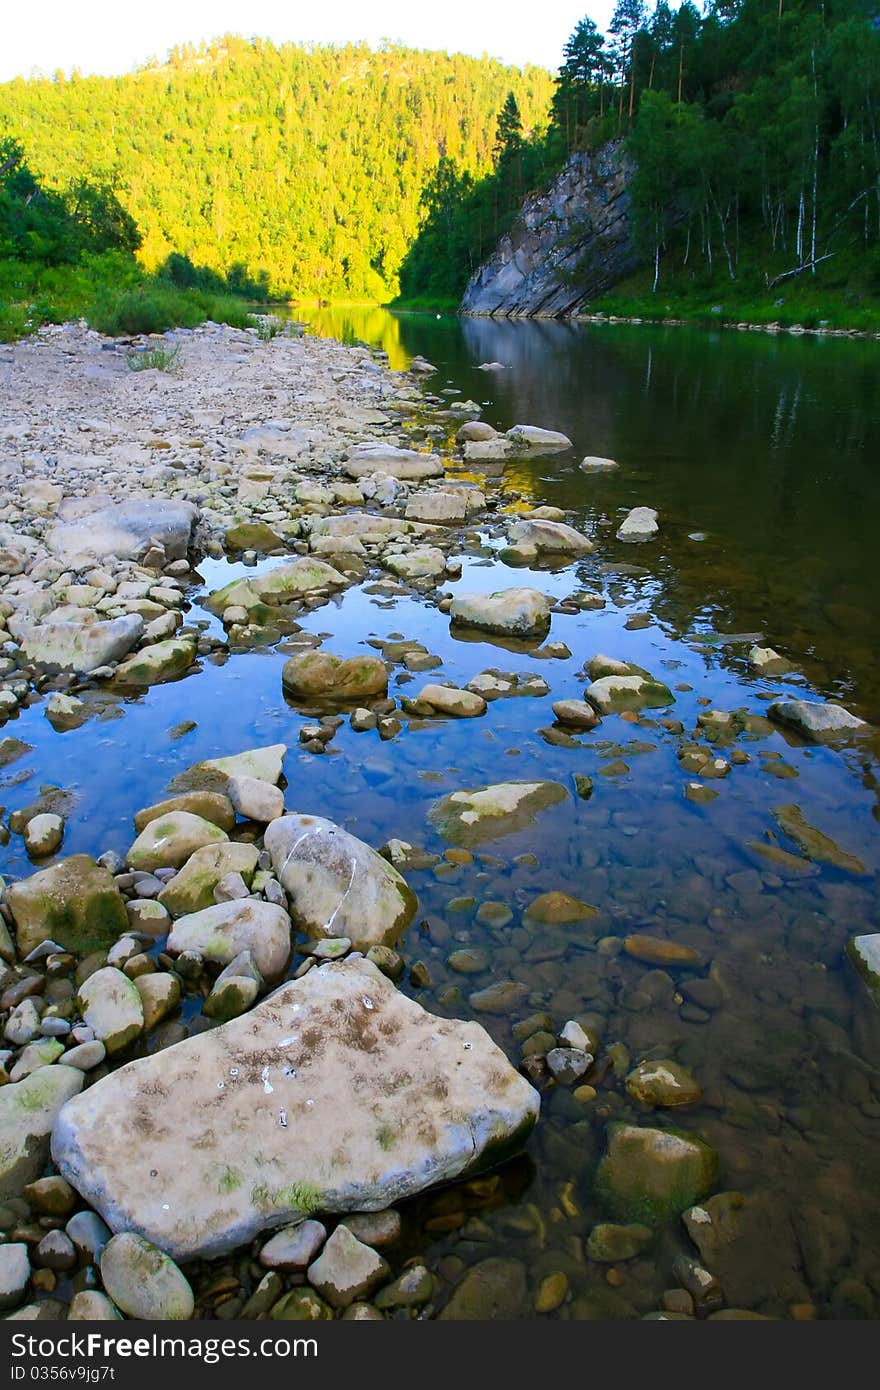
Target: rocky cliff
570,243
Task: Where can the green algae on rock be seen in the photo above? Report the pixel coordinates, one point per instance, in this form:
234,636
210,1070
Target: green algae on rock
469,818
650,1175
74,902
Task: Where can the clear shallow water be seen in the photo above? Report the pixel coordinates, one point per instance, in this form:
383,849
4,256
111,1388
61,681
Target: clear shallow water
768,448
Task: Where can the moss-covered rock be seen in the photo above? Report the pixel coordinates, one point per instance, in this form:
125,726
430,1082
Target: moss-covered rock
318,675
650,1175
74,902
193,887
169,841
469,818
160,662
253,535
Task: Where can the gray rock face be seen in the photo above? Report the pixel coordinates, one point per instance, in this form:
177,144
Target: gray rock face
864,952
289,1111
337,885
569,244
82,646
126,530
816,720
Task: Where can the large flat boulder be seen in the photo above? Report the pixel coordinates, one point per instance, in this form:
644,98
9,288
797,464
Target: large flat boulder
336,884
126,529
74,902
82,646
406,464
510,612
336,1094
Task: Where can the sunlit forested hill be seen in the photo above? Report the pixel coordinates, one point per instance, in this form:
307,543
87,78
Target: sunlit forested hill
304,163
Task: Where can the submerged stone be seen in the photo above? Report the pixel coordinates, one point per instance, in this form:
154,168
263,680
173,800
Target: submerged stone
493,1289
812,842
288,1111
651,1175
663,1083
469,818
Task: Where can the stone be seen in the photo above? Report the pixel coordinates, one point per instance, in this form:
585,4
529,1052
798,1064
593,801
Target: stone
556,907
220,932
552,1292
86,1056
750,1244
413,1288
65,711
650,1175
550,537
610,694
214,773
502,997
160,996
253,535
288,1112
89,1234
405,464
817,846
74,902
126,530
522,613
577,714
438,508
816,720
279,586
376,1228
55,1251
607,1243
43,835
767,662
212,806
143,1281
469,818
568,1064
91,1306
336,884
639,525
532,439
160,662
346,1269
82,646
294,1247
493,1289
663,1083
27,1112
656,950
111,1006
193,886
594,463
52,1196
448,699
254,799
301,1305
15,1274
235,989
169,841
864,952
318,675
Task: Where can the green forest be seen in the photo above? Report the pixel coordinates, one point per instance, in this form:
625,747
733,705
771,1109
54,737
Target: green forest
754,128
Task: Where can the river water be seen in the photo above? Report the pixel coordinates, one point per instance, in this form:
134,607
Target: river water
761,456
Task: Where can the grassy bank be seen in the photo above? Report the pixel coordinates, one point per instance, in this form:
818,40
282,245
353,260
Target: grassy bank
111,293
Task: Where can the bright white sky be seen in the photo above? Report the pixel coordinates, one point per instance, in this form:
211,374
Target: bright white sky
101,37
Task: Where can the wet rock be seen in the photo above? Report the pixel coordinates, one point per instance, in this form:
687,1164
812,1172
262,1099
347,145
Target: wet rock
111,1006
469,818
220,932
82,646
91,1306
818,721
556,908
503,997
568,1064
610,694
43,835
192,888
767,662
318,675
864,952
15,1274
74,902
448,699
169,841
577,714
160,662
655,950
376,1228
304,1120
523,613
65,711
748,1242
663,1083
594,463
493,1289
422,562
639,525
336,884
27,1112
550,537
143,1281
650,1175
52,1196
55,1251
235,989
301,1305
346,1269
413,1288
253,535
282,585
88,1233
552,1292
812,842
608,1244
295,1247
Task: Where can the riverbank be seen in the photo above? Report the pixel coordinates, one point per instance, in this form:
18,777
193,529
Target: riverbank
352,735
